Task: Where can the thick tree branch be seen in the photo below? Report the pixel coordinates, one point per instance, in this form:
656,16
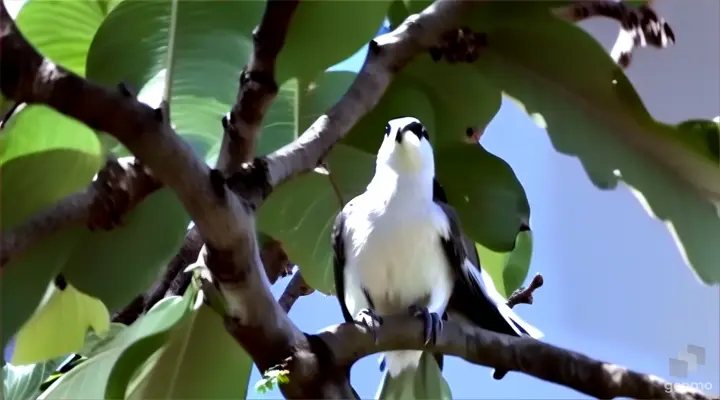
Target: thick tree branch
350,342
102,206
639,26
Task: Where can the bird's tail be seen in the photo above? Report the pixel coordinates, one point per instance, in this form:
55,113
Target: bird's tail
423,381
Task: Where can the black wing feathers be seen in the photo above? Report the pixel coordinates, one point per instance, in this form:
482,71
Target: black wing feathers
338,246
467,298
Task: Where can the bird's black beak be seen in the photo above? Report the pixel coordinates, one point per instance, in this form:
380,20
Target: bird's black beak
399,136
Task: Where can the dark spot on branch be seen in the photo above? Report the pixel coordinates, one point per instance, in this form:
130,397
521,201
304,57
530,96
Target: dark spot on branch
251,181
459,45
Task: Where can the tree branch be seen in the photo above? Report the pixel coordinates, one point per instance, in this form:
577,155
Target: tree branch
102,206
639,26
257,86
524,295
296,288
350,342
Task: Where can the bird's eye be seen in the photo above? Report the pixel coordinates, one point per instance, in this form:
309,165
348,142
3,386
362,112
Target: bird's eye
387,129
425,134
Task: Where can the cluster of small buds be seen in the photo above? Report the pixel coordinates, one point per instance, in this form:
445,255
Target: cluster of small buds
459,45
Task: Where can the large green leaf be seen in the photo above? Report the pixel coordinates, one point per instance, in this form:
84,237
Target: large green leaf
117,265
40,340
591,110
324,33
62,30
125,353
202,340
43,157
487,195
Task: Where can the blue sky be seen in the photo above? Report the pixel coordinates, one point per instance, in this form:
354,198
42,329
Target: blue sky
615,287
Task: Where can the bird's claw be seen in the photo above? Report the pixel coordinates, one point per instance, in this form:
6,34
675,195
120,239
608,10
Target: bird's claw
433,323
368,318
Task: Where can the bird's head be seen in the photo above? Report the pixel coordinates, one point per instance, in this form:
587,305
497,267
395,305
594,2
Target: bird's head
406,147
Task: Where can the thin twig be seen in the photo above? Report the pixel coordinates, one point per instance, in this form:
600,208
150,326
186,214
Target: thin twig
639,27
524,295
296,288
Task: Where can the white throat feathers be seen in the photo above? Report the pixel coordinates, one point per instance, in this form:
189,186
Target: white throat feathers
405,159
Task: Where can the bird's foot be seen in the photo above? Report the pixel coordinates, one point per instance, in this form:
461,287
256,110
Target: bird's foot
368,318
433,323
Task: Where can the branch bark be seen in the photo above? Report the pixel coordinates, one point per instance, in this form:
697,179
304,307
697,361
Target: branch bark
350,342
296,288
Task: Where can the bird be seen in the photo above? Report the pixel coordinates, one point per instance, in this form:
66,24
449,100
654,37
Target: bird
398,247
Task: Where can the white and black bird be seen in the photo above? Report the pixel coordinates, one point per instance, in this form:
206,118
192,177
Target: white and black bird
398,247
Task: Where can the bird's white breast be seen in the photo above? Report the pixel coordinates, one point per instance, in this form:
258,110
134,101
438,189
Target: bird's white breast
395,254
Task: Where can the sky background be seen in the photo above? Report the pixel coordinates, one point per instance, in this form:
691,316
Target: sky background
615,287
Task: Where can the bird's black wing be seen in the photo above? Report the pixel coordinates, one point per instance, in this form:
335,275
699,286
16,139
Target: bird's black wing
338,247
468,298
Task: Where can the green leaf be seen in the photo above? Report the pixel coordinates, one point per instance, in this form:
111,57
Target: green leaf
592,111
94,342
202,340
116,265
25,279
462,99
62,30
21,382
271,378
487,195
125,353
508,270
39,339
44,157
324,33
